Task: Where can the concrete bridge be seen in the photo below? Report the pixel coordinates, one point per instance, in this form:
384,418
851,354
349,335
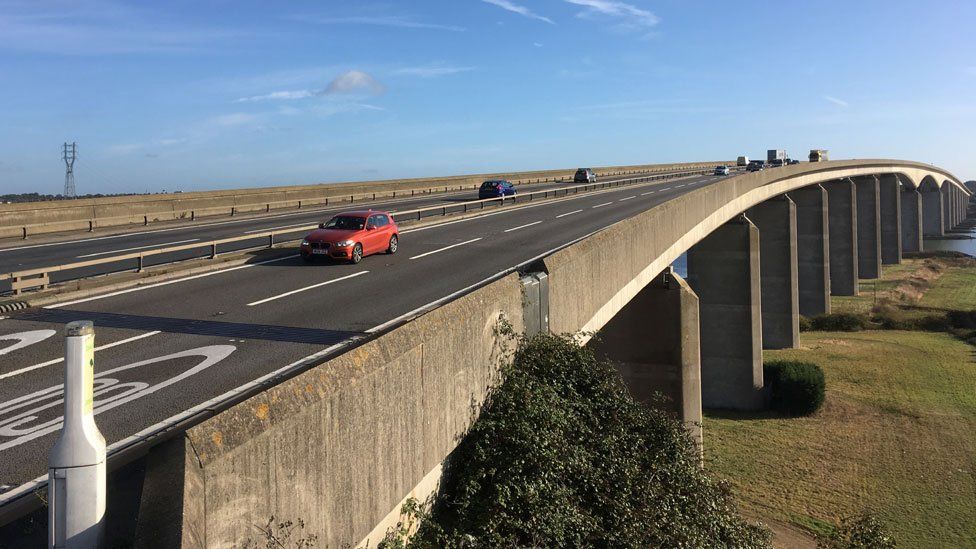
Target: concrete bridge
342,444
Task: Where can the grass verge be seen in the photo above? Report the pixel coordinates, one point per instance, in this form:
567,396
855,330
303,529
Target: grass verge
895,435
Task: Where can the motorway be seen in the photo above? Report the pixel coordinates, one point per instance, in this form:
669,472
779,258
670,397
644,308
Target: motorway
18,255
164,348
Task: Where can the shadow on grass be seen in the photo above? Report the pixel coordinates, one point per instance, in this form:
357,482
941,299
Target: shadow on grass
722,413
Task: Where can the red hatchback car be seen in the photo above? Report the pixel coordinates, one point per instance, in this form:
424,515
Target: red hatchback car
351,236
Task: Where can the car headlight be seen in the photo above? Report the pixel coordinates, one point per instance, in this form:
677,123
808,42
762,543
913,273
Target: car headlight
345,243
304,242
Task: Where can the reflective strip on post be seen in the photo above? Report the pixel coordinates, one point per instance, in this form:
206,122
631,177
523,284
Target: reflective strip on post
76,468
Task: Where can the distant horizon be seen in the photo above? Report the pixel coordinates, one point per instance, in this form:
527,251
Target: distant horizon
195,97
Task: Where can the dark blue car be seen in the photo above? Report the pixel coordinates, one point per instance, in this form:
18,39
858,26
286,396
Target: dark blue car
495,188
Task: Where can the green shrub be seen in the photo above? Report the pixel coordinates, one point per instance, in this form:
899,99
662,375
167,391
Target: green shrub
805,324
839,322
562,456
864,531
796,388
963,320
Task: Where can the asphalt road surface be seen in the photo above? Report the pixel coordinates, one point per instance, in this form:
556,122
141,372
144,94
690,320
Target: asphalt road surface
19,255
162,349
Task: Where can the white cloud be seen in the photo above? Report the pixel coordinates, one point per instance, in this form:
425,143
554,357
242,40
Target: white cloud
353,81
397,21
837,101
431,71
627,17
278,95
521,10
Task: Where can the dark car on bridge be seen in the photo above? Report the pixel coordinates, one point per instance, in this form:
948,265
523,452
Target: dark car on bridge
756,166
584,175
351,236
495,188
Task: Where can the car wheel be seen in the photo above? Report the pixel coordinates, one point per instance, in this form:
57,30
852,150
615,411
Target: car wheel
394,244
357,253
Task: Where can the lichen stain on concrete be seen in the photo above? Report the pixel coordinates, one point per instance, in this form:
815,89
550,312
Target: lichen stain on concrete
217,438
261,412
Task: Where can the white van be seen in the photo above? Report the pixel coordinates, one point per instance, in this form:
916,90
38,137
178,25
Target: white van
742,161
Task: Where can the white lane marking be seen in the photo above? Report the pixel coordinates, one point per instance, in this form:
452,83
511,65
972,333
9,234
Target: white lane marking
666,189
446,248
648,192
522,226
679,186
57,360
160,245
628,198
568,213
312,287
269,229
122,393
24,339
168,282
602,205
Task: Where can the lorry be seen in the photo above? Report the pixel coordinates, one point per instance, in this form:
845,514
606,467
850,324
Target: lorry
776,154
818,155
742,161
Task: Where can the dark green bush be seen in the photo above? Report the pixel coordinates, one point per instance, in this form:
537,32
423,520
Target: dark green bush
839,322
864,531
795,388
562,456
963,320
805,324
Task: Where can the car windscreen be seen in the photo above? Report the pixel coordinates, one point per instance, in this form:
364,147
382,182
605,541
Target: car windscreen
345,223
490,184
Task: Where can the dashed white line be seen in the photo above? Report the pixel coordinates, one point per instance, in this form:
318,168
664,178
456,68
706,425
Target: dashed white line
160,245
522,226
648,192
679,186
446,248
57,360
269,229
602,205
168,282
628,198
568,213
312,287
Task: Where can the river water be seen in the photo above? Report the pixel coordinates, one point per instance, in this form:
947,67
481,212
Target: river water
964,245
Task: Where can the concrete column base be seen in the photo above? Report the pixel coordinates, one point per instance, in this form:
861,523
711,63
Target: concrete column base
813,250
842,228
723,269
911,221
932,211
654,343
776,220
890,206
868,227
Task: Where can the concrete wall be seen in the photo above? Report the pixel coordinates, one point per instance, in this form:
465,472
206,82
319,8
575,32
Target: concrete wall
341,445
65,215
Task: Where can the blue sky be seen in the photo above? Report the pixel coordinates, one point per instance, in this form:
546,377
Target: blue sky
219,94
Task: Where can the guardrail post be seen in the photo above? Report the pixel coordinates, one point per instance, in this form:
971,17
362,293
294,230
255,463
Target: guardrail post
374,196
213,250
76,466
145,220
419,214
444,212
271,240
91,226
299,204
233,211
193,215
25,233
140,264
352,198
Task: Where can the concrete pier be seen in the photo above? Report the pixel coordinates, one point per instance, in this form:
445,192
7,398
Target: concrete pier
947,216
868,227
890,194
911,220
723,269
654,343
776,220
931,211
813,250
842,228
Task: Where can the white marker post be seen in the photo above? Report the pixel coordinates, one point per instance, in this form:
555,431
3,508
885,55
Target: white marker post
76,470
